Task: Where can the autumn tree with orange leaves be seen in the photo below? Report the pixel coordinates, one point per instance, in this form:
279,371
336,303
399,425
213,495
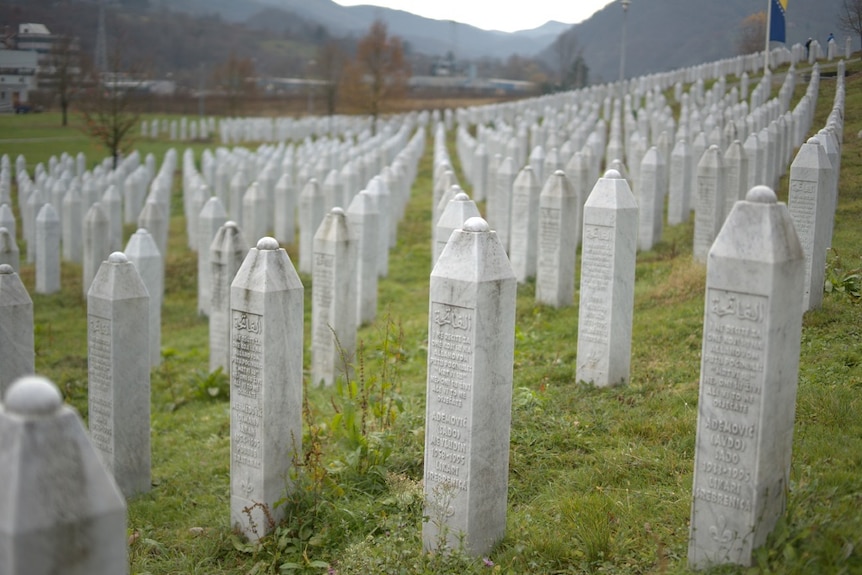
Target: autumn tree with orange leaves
378,74
752,34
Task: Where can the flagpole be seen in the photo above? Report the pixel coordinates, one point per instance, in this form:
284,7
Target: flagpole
768,25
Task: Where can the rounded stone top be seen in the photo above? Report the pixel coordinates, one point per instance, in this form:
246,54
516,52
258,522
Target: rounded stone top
230,224
761,195
461,197
559,173
813,140
476,224
33,395
118,258
267,243
6,269
337,210
142,231
613,175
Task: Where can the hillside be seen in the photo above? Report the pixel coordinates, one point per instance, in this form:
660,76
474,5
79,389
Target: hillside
667,34
185,38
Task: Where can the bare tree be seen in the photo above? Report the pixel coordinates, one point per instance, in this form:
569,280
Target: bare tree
63,73
236,77
379,73
752,34
331,59
106,108
850,17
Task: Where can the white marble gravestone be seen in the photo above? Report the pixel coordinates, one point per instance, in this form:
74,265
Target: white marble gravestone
266,335
808,202
226,254
17,351
284,218
155,221
559,231
142,251
459,209
333,300
112,203
363,219
7,219
524,233
748,379
735,175
499,205
211,217
60,510
255,211
607,283
9,252
47,250
97,242
118,362
680,174
709,201
650,198
72,228
471,328
311,212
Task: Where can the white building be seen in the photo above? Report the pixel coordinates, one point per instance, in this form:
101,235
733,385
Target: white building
17,77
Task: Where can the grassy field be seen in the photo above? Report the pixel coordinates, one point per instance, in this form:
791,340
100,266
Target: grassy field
599,479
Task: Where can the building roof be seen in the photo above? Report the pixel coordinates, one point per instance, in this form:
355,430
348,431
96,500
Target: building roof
33,28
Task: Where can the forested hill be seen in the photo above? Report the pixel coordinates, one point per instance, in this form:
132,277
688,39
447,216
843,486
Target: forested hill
668,34
188,39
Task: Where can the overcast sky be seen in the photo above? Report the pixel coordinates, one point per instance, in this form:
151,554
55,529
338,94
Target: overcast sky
508,16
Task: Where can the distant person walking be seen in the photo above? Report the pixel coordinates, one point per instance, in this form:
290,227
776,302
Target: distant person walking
831,38
808,48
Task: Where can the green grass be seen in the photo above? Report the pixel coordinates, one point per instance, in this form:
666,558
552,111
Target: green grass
599,479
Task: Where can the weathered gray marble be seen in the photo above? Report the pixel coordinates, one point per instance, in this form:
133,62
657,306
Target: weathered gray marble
524,236
607,283
333,300
363,219
680,185
471,328
60,510
142,251
459,210
211,217
17,351
559,230
97,243
266,385
749,370
47,250
808,202
311,212
709,202
650,198
226,254
118,365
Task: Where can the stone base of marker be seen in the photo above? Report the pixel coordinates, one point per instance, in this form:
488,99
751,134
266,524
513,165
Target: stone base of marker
749,372
469,394
60,510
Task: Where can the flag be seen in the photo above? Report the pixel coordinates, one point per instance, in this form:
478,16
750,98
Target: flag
776,20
